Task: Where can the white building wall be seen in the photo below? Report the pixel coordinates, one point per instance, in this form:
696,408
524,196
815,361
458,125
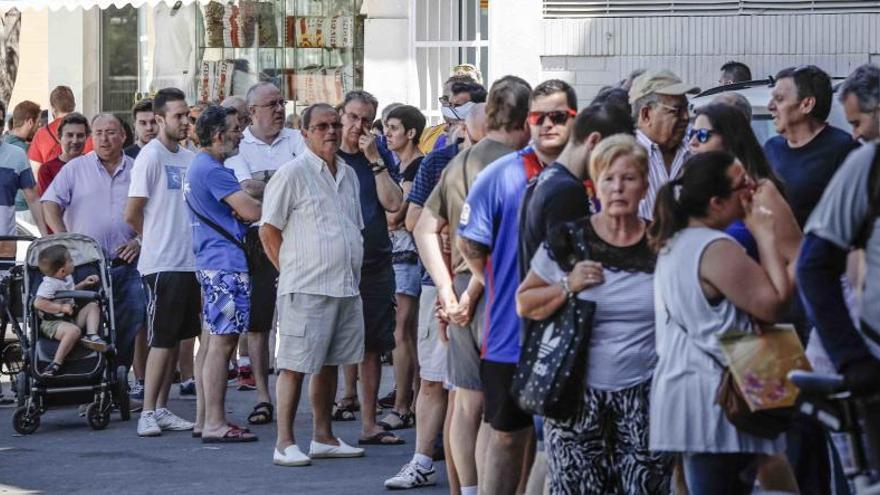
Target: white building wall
389,70
595,52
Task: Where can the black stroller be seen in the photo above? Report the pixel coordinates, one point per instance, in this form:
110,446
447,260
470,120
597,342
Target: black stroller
86,377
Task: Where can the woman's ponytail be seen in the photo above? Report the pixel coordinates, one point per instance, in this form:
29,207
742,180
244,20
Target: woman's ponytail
703,177
669,217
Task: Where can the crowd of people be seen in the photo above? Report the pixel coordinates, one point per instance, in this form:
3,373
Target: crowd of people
354,239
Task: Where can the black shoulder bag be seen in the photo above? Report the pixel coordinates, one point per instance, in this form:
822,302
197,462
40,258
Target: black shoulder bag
223,232
549,379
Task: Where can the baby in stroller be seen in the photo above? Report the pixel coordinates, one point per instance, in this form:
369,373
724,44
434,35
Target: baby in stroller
61,320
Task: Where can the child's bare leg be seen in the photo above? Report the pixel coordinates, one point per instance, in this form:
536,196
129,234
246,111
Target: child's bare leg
89,317
68,334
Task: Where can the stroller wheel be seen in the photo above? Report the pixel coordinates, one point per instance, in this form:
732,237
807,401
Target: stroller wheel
22,388
25,420
98,418
123,401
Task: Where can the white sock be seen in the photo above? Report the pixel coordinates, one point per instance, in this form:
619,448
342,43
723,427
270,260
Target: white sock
423,460
244,361
469,490
147,413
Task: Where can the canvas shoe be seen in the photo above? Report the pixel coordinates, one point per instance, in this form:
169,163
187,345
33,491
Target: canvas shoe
412,475
167,420
147,425
328,451
291,456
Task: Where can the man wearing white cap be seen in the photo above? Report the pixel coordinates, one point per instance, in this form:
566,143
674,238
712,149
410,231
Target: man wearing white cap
660,109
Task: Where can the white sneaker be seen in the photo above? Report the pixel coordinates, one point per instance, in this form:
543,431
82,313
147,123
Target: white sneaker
167,420
147,425
327,451
412,475
291,456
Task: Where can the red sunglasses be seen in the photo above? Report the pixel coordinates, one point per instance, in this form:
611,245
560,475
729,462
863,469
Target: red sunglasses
558,117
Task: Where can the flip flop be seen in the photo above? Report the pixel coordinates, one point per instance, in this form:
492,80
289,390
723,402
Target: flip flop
378,439
344,409
396,421
262,414
198,434
232,435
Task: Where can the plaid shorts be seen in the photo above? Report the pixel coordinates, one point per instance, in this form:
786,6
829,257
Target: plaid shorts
226,295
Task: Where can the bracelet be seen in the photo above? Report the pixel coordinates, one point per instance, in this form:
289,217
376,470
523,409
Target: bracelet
565,286
139,241
379,169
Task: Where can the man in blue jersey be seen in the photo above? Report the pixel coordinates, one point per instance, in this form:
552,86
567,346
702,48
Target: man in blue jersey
488,240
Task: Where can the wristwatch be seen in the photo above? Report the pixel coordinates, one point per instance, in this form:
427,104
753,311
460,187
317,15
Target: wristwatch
378,167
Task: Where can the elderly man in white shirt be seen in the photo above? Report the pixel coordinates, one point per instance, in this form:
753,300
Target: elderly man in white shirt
265,145
660,109
311,231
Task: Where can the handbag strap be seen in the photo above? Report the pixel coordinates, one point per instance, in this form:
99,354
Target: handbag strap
220,230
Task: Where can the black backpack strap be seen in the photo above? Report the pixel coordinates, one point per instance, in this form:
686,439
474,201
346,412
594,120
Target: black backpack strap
873,200
220,230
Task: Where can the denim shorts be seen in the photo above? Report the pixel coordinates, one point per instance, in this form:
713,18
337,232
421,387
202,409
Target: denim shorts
226,301
408,277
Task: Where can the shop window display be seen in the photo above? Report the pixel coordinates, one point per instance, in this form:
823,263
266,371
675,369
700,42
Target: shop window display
311,49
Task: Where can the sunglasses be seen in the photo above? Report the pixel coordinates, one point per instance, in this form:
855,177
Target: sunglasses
557,117
702,135
324,126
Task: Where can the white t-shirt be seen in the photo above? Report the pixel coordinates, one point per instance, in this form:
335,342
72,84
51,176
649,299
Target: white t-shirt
159,175
51,285
257,160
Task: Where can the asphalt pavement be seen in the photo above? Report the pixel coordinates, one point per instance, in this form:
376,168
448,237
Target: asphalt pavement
66,456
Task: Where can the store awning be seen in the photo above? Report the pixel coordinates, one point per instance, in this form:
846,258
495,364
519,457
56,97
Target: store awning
85,4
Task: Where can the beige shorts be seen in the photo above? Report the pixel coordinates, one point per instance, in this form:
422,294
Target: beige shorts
316,331
432,349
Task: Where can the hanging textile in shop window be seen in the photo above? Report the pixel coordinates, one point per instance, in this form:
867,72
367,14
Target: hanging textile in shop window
244,25
10,31
215,82
213,14
174,49
315,85
324,32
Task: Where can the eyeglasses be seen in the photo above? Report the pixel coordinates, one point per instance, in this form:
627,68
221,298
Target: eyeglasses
325,126
557,117
444,102
272,104
746,183
673,110
703,135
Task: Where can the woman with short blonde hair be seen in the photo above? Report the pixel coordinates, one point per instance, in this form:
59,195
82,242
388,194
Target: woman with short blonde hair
603,448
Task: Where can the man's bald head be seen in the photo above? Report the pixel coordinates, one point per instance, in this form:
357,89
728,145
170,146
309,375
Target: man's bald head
475,123
241,109
236,102
108,135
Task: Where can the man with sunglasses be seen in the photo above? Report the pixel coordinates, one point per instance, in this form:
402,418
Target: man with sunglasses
311,228
660,109
488,239
460,93
265,145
